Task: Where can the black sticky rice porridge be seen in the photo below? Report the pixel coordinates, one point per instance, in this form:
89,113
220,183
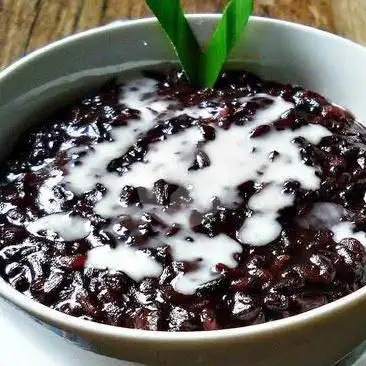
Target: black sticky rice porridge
158,205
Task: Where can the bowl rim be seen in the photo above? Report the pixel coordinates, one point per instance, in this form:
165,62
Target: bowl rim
68,322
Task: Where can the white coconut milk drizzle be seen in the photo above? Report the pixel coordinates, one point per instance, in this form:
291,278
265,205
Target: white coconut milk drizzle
235,158
61,225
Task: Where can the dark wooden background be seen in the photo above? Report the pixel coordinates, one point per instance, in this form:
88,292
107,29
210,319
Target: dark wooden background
29,24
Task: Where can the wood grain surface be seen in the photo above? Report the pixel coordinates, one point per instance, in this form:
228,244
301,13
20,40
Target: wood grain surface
29,24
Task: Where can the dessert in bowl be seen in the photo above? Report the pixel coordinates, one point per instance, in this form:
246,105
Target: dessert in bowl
155,205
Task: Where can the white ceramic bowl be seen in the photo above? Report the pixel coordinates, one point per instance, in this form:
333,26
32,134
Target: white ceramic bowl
282,51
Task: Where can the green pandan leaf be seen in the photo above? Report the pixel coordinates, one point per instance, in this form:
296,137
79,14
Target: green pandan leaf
202,67
227,33
171,17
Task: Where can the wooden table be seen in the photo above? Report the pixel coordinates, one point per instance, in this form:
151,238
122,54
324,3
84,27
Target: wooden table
29,24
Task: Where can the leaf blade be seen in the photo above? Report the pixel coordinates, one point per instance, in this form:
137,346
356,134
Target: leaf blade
227,33
171,17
